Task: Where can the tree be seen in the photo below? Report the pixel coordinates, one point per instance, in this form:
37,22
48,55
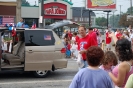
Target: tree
129,10
101,21
123,21
25,3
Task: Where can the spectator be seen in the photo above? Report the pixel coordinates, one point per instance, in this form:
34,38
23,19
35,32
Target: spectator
121,72
109,61
129,83
119,34
20,24
108,41
87,77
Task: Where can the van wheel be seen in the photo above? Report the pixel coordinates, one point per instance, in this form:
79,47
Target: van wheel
41,74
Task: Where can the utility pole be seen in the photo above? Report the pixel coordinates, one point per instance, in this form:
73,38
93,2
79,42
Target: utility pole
120,10
42,13
107,18
81,13
18,11
131,6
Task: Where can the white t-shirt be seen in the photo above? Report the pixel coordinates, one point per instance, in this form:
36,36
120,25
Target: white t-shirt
74,46
73,39
131,36
115,33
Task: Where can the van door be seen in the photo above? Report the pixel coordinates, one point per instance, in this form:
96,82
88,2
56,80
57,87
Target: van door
39,47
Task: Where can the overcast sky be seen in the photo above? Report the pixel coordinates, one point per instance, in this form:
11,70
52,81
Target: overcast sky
80,3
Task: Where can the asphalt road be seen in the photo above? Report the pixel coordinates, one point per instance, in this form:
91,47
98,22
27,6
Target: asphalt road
59,79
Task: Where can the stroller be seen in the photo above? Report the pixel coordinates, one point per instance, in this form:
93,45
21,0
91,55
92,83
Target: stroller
68,52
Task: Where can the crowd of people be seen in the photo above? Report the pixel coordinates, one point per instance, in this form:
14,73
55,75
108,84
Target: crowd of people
100,67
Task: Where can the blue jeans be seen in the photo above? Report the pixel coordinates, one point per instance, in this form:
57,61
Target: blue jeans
85,64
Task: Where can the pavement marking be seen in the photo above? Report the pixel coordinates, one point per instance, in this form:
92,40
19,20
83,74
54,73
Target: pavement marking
28,82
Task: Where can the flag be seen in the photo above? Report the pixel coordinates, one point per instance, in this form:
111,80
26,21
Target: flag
47,37
14,32
6,20
33,25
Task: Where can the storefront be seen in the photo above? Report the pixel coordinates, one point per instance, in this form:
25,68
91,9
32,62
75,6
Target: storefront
7,12
56,10
53,10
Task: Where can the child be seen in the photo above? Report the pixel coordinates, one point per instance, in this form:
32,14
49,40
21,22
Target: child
74,50
109,61
68,52
103,44
108,41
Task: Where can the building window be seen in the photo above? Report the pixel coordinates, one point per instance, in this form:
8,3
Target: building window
75,19
87,19
81,19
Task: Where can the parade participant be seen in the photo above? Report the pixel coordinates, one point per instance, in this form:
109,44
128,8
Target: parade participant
108,41
119,34
74,46
126,35
116,31
109,61
20,24
92,38
70,34
129,28
103,45
85,42
92,76
121,72
99,39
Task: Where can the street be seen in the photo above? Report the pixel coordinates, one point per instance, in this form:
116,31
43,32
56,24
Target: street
61,78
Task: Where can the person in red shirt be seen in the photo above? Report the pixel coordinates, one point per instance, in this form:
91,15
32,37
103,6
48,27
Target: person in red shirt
119,35
70,34
85,42
108,41
92,38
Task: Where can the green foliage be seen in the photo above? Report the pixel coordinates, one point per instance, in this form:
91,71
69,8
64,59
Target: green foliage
129,10
25,3
123,21
101,21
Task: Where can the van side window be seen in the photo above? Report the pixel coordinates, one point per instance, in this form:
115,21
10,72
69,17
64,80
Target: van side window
58,31
39,38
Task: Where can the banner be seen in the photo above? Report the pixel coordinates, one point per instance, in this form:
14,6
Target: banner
103,5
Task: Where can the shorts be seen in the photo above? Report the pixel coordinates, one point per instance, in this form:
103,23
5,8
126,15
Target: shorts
108,45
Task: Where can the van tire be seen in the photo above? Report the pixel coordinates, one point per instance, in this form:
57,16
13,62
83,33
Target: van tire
41,74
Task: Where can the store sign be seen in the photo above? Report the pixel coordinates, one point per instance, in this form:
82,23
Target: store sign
55,11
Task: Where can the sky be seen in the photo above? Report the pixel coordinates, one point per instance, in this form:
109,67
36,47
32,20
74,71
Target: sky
81,3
